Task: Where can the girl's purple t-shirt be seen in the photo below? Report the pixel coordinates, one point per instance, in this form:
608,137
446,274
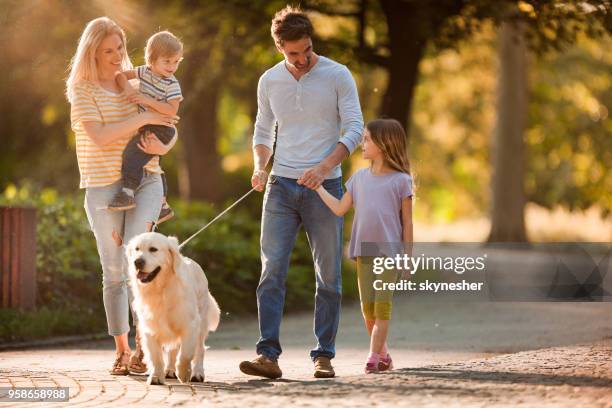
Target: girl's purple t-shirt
378,202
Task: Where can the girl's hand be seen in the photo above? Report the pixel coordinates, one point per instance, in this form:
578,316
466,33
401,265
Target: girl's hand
149,143
155,118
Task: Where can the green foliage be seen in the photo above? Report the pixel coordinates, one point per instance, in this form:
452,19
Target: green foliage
17,325
569,137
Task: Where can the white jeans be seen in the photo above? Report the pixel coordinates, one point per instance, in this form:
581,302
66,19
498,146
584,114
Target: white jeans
115,289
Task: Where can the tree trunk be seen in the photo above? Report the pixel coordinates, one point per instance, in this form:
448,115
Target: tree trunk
406,46
201,174
508,148
410,25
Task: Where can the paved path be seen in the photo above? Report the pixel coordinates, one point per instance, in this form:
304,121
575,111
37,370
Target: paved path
446,354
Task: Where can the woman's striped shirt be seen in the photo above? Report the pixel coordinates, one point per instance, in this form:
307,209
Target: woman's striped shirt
101,165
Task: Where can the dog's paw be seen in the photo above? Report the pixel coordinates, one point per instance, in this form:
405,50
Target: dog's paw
170,373
184,373
197,377
155,380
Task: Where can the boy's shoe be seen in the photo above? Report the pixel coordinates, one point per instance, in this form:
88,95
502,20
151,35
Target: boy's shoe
122,201
165,214
372,364
261,366
385,363
323,368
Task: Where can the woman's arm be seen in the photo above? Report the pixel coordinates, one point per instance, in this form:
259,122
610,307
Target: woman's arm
103,134
338,207
167,108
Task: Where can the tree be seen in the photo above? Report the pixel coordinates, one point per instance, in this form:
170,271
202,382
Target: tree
508,147
412,26
219,38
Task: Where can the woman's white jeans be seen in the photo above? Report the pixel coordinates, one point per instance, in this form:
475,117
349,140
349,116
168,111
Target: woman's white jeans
116,293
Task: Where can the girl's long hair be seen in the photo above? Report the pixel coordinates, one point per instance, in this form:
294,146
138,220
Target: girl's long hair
83,63
389,136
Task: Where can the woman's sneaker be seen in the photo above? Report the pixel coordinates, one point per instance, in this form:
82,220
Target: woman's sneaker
385,363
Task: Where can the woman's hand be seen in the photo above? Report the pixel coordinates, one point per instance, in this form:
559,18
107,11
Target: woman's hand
149,143
137,97
154,118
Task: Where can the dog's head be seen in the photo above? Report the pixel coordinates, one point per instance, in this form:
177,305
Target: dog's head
151,254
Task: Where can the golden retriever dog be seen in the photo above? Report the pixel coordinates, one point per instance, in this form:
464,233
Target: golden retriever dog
174,307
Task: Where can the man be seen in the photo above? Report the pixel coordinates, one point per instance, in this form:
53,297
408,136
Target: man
311,99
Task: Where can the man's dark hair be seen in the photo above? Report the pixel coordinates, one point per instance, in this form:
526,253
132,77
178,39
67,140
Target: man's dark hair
290,24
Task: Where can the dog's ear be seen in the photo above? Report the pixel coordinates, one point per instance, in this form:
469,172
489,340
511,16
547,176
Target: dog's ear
173,246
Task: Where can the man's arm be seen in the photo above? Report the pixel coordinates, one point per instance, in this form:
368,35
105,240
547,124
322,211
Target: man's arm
263,136
314,176
352,124
261,157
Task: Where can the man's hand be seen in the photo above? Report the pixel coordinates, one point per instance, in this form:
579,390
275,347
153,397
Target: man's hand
259,179
314,176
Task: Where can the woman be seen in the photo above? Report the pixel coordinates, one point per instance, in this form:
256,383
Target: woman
104,121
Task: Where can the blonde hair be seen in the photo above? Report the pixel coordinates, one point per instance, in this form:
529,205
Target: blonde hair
162,44
389,136
83,63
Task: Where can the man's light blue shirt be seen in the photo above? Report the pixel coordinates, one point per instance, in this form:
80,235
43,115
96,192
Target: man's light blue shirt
313,115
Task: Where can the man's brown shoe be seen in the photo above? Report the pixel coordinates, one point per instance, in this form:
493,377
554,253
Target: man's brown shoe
261,366
323,368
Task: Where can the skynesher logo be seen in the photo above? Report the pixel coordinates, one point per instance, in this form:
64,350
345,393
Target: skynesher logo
405,262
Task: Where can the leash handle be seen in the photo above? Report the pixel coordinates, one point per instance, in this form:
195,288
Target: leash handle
216,218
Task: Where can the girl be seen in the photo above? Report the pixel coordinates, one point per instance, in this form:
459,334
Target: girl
382,197
104,120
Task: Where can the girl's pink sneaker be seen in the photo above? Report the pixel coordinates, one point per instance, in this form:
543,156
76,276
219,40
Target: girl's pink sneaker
372,363
385,363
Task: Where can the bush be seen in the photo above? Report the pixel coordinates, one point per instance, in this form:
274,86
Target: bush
69,277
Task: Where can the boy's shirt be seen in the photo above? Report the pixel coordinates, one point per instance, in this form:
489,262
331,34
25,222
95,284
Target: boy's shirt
157,87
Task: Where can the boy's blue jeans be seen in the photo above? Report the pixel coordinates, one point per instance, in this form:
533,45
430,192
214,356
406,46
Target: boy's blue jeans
287,205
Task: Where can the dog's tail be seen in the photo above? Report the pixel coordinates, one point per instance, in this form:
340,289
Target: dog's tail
214,313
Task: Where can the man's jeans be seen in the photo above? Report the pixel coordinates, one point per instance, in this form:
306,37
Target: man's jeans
287,205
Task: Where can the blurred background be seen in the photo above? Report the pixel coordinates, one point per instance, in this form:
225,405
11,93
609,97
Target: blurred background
506,104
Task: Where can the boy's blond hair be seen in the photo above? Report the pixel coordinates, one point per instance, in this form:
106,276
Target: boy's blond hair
162,44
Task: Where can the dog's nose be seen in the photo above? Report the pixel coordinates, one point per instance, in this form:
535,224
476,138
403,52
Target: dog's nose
139,263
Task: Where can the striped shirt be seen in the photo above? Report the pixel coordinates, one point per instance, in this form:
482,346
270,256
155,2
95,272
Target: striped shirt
157,87
101,165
